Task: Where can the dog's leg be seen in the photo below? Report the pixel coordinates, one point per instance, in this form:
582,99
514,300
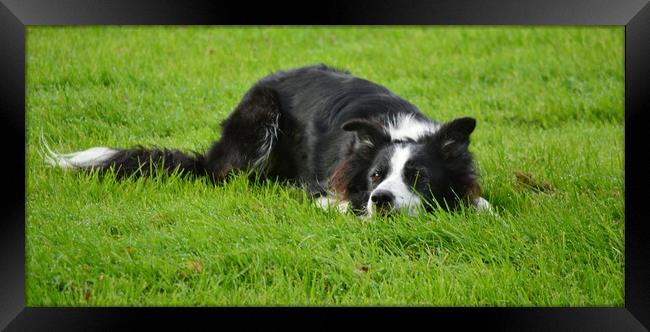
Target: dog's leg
249,135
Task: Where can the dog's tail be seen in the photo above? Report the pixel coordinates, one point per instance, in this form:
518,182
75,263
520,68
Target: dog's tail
138,161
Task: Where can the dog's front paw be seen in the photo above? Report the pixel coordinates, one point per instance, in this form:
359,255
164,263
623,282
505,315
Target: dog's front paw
482,205
329,202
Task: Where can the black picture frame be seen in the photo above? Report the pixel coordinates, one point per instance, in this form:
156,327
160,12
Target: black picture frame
15,15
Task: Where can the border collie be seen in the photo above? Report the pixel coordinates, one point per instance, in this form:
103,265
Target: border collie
352,144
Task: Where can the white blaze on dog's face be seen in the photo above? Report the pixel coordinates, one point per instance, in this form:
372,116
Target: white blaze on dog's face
408,127
392,192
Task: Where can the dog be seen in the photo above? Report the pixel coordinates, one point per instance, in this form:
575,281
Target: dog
352,144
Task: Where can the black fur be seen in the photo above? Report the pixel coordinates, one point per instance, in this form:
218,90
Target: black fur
325,129
140,161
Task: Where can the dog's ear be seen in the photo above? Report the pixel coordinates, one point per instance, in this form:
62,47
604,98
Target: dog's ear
453,137
368,132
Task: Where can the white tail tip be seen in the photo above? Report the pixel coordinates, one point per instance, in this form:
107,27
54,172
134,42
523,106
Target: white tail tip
87,158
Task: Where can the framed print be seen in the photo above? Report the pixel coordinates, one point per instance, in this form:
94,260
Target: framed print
426,162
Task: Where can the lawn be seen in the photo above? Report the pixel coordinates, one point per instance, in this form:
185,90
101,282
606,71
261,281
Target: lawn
549,102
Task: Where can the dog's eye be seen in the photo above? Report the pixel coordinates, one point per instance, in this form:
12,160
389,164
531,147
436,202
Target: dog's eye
376,176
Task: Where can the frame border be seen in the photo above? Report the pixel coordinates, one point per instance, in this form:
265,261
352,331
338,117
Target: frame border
633,14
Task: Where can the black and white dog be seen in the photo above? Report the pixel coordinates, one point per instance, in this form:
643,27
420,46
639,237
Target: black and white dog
353,144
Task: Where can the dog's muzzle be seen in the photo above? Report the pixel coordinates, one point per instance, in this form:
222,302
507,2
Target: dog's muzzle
384,201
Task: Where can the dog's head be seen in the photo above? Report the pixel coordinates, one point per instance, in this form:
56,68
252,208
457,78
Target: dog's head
414,165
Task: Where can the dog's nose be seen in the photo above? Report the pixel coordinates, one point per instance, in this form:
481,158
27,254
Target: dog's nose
383,199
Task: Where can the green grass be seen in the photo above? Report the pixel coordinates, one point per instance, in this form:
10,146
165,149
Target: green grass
549,102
